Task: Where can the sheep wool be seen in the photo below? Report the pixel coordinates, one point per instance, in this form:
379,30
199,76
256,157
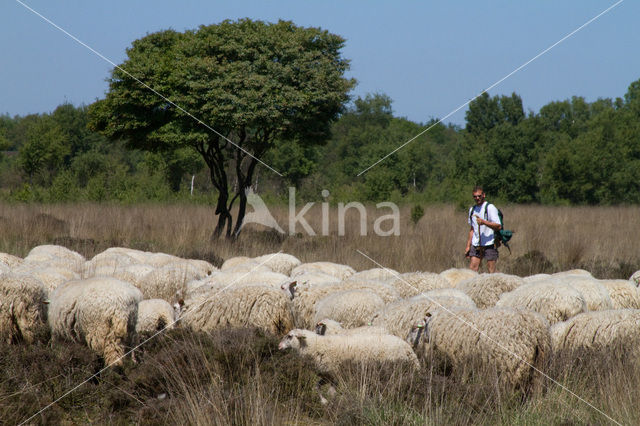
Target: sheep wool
353,308
375,274
154,315
282,263
100,312
556,301
234,261
337,270
328,327
513,343
623,293
485,289
615,331
22,307
456,275
10,260
595,294
243,305
413,283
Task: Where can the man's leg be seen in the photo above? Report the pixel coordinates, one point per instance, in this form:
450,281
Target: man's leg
491,266
474,263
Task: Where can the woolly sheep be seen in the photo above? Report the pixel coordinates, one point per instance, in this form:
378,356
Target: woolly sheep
457,275
247,305
250,266
536,278
155,315
398,317
282,263
337,270
598,331
54,255
167,281
485,289
105,264
516,343
353,308
595,294
413,283
138,256
328,327
375,274
100,312
51,276
556,301
572,273
234,261
10,260
330,353
623,293
205,268
133,273
313,278
635,278
22,307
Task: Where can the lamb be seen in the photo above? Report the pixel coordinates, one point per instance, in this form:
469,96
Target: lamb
595,294
328,327
22,307
337,270
242,305
457,275
413,283
398,317
331,353
556,301
155,315
282,263
485,289
100,312
513,343
353,308
623,293
598,331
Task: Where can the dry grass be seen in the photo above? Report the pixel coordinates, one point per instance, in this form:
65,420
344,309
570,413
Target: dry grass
600,239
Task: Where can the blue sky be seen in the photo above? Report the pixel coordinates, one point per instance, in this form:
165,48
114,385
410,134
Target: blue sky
430,57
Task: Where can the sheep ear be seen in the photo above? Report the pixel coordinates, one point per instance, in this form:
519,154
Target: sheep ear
46,302
293,284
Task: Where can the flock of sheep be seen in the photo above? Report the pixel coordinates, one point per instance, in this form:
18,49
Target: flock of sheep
326,311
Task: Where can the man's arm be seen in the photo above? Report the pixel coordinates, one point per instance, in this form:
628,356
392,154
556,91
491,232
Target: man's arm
466,250
493,225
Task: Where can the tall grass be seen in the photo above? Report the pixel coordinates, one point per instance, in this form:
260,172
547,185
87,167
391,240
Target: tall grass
602,240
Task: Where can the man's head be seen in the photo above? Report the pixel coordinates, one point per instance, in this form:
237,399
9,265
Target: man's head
478,195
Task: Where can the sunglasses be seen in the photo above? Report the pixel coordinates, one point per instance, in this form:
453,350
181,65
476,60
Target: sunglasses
477,196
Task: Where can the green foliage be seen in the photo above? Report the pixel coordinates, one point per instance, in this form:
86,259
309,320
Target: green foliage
416,213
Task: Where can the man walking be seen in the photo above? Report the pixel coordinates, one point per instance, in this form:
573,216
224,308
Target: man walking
484,221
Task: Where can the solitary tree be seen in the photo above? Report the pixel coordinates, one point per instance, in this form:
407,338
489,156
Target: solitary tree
230,91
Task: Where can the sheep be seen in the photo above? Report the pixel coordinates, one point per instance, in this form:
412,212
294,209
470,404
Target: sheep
556,301
536,278
106,263
155,315
282,263
54,255
50,276
234,261
413,283
250,266
485,289
205,268
572,273
615,331
328,327
100,312
337,270
138,256
375,274
330,354
133,273
242,305
167,281
623,293
635,278
595,294
10,260
398,317
457,275
516,343
353,308
313,278
22,307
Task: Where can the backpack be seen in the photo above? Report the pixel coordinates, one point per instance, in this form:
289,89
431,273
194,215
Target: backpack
503,236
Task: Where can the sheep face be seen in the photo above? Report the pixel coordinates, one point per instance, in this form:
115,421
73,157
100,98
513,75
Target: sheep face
420,328
295,339
289,289
321,328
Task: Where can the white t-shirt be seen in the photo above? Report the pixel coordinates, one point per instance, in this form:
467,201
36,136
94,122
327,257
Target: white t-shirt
485,237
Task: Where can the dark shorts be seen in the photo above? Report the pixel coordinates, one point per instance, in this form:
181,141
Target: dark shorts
488,252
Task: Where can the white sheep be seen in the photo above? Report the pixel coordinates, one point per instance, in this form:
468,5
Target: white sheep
100,312
328,327
457,275
240,305
232,262
50,276
155,315
513,343
375,274
598,331
330,354
353,308
22,307
595,294
623,293
485,289
399,316
10,260
556,301
337,270
413,283
282,263
167,281
635,278
54,255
